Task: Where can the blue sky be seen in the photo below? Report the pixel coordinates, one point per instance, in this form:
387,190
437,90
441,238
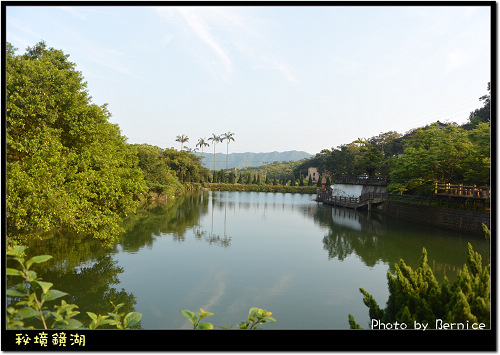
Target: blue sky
279,78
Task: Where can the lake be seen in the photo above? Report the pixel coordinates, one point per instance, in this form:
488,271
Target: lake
226,252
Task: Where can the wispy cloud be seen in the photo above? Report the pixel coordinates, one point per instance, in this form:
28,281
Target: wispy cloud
233,38
200,27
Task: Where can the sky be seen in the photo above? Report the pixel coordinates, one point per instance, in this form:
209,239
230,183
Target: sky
280,78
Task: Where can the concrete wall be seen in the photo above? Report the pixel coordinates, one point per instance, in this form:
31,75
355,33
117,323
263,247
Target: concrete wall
452,219
351,190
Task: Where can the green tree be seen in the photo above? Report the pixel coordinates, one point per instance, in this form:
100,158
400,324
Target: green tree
301,180
158,175
416,296
447,155
483,114
187,166
67,165
370,160
320,179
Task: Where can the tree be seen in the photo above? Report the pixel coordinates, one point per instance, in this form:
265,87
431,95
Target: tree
228,137
483,114
67,165
416,296
447,155
158,175
369,160
202,143
187,166
182,139
215,139
301,180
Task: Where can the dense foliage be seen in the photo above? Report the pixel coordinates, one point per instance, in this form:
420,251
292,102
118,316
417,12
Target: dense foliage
166,169
416,296
361,157
446,155
67,165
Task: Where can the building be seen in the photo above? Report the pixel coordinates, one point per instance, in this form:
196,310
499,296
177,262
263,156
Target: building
313,173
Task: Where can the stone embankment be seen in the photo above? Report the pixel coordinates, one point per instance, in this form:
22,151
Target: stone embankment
463,221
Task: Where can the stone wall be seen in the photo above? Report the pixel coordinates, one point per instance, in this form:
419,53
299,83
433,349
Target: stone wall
452,219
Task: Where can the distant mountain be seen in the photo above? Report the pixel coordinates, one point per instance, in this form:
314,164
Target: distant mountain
242,160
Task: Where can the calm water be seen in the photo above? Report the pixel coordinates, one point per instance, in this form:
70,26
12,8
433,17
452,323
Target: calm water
228,251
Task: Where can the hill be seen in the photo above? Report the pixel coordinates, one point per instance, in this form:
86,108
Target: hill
242,160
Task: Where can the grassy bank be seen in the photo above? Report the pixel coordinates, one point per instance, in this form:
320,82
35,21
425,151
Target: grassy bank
261,188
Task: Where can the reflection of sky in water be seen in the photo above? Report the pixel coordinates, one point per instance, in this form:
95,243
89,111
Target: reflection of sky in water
346,218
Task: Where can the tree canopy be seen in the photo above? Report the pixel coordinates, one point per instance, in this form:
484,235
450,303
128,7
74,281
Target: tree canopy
445,155
67,165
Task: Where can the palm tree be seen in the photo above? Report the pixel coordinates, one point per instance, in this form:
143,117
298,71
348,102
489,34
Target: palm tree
228,137
215,139
183,139
201,143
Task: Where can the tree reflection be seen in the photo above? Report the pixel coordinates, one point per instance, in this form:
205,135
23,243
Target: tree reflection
368,235
85,269
175,217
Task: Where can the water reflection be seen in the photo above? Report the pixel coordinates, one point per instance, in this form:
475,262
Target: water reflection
197,248
85,269
376,238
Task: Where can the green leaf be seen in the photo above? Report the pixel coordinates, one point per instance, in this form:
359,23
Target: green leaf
193,318
31,276
204,314
27,312
15,293
45,285
131,319
205,326
93,316
54,294
16,250
38,259
69,324
14,272
252,313
243,325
